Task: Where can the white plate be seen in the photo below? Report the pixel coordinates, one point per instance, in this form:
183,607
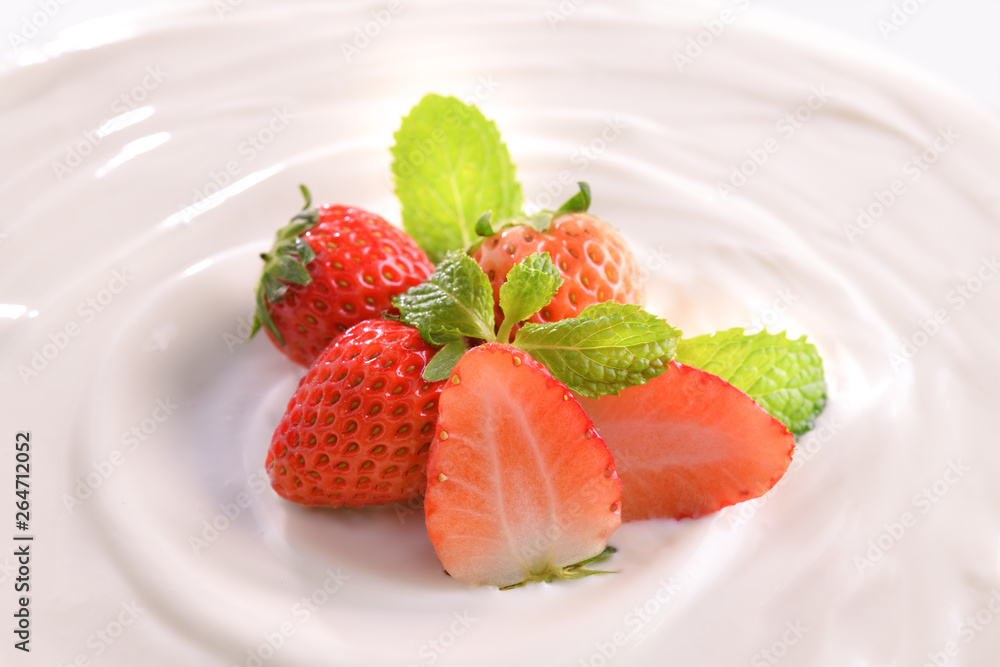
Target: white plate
147,162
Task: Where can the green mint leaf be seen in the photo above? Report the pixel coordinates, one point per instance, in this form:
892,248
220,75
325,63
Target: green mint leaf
456,300
783,375
450,165
530,286
578,203
607,348
441,365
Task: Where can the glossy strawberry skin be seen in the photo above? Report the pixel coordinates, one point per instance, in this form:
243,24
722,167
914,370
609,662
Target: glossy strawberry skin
361,262
594,260
359,427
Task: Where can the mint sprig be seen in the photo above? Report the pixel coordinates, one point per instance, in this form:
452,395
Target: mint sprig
456,300
605,349
450,165
529,287
785,376
608,347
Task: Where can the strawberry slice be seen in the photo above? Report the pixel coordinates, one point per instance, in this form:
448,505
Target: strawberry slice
688,443
520,486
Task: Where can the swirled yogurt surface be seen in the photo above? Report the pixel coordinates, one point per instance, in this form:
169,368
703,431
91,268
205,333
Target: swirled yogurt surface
768,176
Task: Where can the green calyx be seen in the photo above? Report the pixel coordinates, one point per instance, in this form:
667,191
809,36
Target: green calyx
540,221
285,263
575,571
578,203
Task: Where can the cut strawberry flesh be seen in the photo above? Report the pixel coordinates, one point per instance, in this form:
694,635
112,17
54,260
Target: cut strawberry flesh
688,443
519,483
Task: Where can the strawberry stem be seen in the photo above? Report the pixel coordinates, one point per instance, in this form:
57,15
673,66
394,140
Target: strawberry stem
503,335
575,571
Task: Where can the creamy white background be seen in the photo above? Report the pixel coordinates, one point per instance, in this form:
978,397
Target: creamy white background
954,39
730,588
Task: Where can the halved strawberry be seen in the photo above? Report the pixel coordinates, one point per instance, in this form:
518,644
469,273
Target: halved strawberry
688,443
520,486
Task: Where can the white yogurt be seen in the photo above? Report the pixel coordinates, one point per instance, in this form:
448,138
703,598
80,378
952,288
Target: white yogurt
129,259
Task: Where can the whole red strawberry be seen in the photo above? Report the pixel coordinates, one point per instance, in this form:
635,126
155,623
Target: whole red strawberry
359,427
329,269
594,260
